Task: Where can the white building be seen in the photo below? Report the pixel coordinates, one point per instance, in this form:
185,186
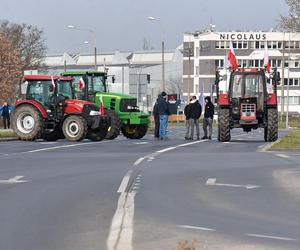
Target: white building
208,51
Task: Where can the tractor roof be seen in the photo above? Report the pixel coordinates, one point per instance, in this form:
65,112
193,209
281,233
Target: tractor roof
46,78
79,73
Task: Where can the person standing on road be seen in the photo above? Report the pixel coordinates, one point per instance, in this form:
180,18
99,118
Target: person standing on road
187,120
163,109
194,111
6,115
156,119
208,117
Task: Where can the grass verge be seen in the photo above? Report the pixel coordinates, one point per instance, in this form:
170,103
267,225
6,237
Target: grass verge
289,142
7,134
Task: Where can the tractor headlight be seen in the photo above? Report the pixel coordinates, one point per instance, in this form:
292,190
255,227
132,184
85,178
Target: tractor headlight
93,112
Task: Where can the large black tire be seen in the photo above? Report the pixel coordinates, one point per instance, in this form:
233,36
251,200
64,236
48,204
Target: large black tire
75,128
224,125
96,135
115,124
53,136
27,122
271,129
134,131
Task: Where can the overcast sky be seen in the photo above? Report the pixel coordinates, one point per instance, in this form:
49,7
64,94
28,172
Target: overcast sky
122,24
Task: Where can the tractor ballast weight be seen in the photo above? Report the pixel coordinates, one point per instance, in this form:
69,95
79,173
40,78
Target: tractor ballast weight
122,109
247,99
49,111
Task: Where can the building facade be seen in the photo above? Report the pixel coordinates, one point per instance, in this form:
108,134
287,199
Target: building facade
204,52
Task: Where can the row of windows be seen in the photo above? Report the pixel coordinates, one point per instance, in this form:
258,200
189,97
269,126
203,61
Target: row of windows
250,63
292,81
258,44
293,100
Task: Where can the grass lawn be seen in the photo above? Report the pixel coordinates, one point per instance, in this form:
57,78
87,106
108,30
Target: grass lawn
289,142
7,133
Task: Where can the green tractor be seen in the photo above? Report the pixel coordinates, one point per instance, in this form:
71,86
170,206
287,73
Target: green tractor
122,109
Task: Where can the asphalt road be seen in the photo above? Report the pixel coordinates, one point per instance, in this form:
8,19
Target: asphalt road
146,194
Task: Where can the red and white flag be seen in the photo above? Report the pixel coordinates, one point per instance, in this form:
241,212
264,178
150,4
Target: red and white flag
81,83
231,57
52,83
101,108
266,60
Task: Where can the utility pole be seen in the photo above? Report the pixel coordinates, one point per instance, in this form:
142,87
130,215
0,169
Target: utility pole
189,70
163,65
282,81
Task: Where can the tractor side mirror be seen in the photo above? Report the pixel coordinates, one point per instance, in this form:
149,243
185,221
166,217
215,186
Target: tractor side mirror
24,88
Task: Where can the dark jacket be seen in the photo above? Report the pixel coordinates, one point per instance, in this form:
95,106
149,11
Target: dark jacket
155,109
5,111
209,109
187,112
163,107
195,110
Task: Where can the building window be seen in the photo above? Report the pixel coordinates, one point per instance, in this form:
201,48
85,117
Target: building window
296,82
217,44
234,44
285,81
279,45
269,43
252,45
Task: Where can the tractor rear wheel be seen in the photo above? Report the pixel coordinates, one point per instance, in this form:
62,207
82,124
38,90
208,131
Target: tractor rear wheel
27,122
224,125
75,128
271,130
134,131
96,135
115,124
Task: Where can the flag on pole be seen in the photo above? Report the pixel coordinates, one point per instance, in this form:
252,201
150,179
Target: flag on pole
231,57
266,59
101,108
81,83
52,83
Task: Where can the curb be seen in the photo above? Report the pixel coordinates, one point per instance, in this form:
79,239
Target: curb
9,139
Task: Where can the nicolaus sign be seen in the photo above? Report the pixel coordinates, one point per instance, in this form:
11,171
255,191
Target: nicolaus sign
243,36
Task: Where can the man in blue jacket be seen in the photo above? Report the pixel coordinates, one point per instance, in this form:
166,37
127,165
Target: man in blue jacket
5,113
163,110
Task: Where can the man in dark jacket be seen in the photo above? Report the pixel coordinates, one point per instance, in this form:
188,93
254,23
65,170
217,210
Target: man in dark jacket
193,113
156,119
6,115
208,118
163,110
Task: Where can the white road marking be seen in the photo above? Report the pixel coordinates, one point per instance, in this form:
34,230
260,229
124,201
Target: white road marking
48,142
271,237
196,228
16,179
138,161
141,143
212,182
124,182
165,150
282,156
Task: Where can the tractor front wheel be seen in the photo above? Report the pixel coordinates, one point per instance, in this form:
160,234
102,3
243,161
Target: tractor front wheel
115,124
75,128
134,131
224,126
27,123
271,129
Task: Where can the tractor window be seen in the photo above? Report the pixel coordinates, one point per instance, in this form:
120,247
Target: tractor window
253,85
64,89
99,83
237,86
41,91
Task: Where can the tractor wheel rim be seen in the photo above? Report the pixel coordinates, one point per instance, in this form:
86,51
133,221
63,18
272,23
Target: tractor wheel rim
25,123
130,130
73,129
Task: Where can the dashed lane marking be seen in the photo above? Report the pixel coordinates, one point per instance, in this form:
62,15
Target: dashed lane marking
271,237
196,228
282,155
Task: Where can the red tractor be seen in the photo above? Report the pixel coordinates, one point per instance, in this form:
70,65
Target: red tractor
50,111
247,99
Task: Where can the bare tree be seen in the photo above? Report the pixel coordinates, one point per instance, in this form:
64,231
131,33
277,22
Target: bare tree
291,22
174,84
10,71
28,40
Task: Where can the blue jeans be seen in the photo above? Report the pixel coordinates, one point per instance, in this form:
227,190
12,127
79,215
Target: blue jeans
163,125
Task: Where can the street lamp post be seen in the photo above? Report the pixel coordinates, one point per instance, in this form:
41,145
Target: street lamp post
163,87
94,38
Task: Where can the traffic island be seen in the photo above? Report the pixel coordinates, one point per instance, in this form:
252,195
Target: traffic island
291,142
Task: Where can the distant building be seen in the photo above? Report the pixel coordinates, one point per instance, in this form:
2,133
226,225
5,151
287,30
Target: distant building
136,73
208,51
